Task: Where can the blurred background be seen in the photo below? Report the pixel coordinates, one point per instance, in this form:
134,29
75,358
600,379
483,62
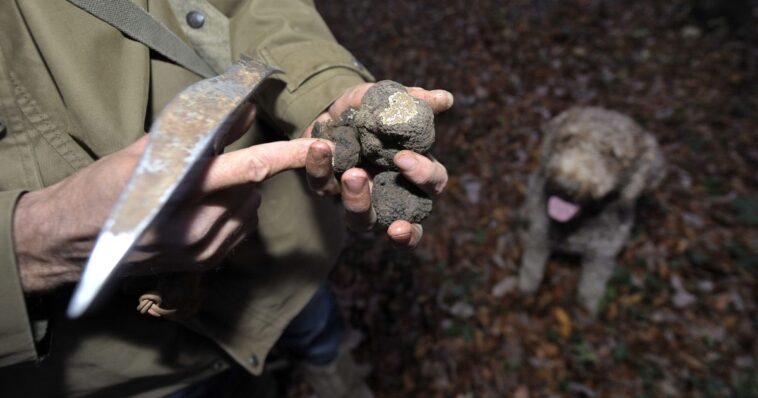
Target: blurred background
679,316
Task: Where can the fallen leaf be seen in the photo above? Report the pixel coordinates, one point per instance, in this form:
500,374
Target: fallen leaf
564,322
462,310
505,286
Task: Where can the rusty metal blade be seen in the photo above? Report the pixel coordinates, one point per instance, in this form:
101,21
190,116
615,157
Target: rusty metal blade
183,137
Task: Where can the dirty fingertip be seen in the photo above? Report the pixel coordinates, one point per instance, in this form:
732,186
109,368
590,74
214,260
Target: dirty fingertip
322,148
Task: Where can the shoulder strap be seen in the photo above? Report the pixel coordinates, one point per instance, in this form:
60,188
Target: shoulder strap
136,23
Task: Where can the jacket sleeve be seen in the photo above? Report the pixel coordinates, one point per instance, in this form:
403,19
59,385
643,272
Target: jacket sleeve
16,338
315,69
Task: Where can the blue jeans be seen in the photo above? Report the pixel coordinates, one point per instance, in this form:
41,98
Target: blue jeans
314,335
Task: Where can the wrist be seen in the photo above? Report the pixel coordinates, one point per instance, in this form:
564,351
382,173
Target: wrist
36,237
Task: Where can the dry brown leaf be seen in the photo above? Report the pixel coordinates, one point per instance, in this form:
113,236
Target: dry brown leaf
564,322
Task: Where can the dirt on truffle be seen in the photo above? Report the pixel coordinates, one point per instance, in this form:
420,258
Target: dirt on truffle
378,152
395,198
347,149
390,112
388,121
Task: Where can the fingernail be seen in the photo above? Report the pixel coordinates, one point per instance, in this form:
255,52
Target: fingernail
406,162
400,232
448,98
355,184
328,145
323,154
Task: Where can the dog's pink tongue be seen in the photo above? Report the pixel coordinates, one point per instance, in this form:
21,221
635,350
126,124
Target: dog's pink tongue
561,210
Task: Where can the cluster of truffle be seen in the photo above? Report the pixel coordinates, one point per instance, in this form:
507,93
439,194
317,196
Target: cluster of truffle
389,120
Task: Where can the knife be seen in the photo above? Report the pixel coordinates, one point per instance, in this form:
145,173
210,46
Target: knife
188,132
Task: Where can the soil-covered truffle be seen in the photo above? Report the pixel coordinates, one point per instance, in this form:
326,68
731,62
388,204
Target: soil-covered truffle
347,118
395,198
377,151
389,120
390,112
347,149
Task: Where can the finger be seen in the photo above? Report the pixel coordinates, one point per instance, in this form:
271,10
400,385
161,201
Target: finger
197,233
428,174
322,118
137,147
319,170
351,99
123,162
256,163
356,197
405,234
242,221
240,126
438,100
194,221
217,210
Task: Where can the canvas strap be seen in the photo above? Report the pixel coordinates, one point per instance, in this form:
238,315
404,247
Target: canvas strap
135,22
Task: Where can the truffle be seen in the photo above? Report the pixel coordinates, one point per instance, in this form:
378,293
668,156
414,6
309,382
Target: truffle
377,151
395,198
346,146
390,112
389,120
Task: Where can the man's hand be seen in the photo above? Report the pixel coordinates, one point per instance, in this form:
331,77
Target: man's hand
355,185
55,228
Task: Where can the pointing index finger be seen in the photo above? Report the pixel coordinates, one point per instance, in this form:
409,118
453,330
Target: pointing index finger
256,163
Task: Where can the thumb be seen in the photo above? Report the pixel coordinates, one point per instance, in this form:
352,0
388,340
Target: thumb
244,121
256,163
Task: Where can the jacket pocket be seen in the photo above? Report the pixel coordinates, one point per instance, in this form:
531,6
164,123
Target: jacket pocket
35,151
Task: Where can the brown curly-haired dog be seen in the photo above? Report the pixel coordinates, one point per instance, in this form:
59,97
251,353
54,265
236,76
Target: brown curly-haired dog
595,164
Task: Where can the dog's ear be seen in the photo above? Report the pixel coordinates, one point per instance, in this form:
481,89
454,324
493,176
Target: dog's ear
549,132
648,170
548,137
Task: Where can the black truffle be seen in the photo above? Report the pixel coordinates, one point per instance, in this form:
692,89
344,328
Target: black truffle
390,112
395,198
347,149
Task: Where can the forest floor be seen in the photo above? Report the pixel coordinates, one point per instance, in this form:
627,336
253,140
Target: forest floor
680,315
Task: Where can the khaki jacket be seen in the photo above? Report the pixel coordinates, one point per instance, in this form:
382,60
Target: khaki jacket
73,89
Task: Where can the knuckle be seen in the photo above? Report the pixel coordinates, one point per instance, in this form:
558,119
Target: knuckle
257,168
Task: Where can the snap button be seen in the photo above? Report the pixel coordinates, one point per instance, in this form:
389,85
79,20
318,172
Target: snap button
254,361
218,366
357,64
195,19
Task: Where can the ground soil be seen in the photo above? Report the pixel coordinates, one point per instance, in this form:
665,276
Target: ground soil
679,316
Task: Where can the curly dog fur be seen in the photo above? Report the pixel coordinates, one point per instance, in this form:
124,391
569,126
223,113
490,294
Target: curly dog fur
595,164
